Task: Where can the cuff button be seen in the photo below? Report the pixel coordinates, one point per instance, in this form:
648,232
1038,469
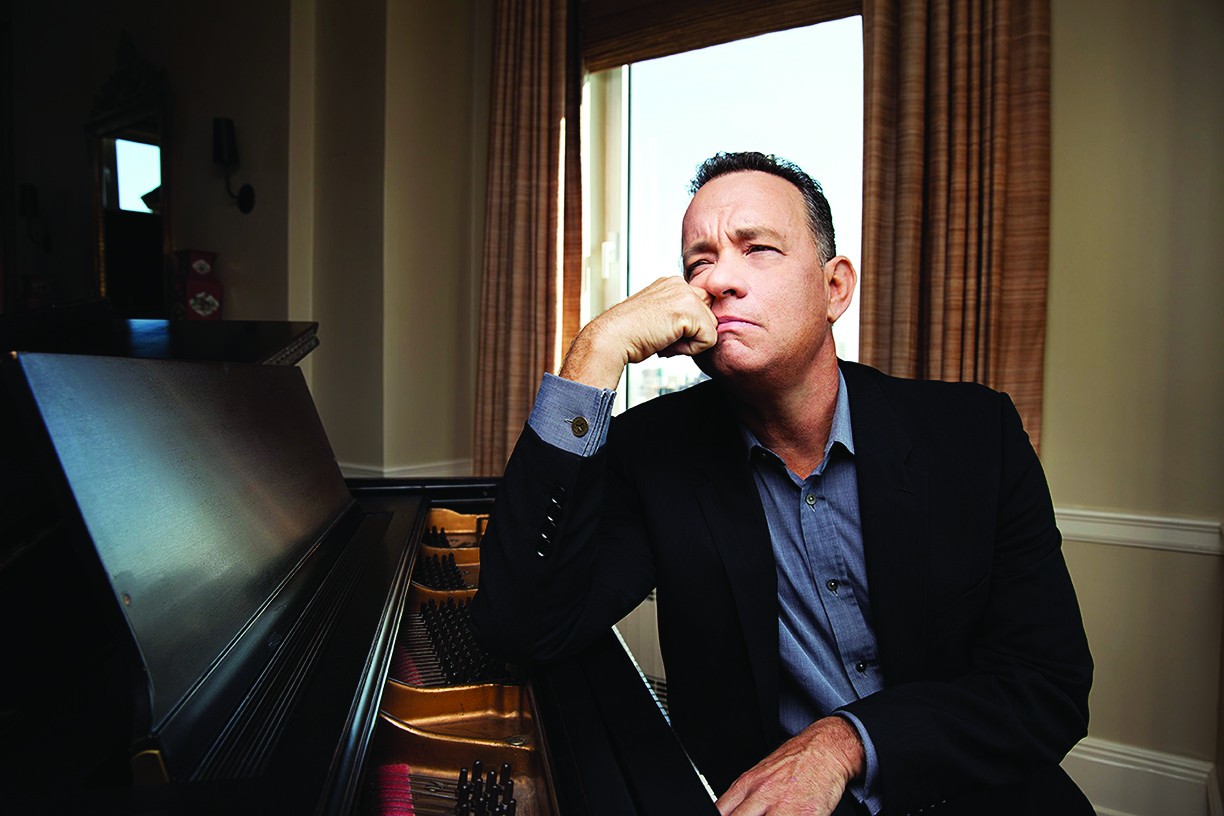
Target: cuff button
579,426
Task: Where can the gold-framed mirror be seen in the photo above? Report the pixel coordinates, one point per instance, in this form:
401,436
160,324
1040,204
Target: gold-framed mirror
129,136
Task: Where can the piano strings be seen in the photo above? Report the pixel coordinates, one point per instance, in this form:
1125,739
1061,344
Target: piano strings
398,791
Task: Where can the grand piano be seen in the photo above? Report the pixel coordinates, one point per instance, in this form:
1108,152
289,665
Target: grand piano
201,615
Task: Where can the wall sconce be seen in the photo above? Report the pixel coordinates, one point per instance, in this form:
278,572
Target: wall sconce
225,153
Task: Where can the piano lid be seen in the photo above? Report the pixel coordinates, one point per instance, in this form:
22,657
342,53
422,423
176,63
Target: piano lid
201,487
90,328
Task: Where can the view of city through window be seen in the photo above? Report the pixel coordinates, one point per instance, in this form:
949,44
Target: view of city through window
797,94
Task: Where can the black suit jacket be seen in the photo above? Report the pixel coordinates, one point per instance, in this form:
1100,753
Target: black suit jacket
986,667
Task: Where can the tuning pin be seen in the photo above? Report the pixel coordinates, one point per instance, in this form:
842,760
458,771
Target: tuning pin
491,787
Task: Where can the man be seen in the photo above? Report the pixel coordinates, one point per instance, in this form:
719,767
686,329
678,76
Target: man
862,601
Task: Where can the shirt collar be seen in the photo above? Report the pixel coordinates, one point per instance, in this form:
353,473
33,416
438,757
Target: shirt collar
839,431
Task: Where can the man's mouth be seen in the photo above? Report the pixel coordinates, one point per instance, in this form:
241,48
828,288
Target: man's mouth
732,321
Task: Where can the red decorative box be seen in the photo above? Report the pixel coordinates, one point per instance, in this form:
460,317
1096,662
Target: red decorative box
198,293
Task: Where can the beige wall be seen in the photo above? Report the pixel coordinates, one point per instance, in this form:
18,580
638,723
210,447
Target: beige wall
437,115
231,58
388,228
1134,406
348,223
223,58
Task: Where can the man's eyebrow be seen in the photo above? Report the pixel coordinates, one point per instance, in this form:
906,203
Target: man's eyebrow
753,233
698,247
744,234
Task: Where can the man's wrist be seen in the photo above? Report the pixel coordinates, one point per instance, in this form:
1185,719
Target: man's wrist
865,787
842,739
591,361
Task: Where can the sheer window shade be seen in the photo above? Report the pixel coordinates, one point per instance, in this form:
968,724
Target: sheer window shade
617,32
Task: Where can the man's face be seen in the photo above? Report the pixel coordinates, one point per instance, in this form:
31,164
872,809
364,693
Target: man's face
746,241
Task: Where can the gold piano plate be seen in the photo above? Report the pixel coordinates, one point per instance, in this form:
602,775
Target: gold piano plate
463,530
489,711
422,594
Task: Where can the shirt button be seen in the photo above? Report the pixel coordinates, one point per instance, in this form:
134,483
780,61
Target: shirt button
810,499
860,667
832,585
579,426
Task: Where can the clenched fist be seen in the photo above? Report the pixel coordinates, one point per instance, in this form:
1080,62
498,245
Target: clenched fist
667,318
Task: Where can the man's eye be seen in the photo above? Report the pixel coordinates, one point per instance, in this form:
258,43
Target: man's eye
692,268
761,248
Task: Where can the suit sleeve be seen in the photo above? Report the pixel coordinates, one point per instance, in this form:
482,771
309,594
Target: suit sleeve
552,575
1010,695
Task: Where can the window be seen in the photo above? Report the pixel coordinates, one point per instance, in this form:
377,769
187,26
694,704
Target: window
138,167
797,94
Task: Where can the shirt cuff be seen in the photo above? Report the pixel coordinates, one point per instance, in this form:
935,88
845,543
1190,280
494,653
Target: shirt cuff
865,791
571,415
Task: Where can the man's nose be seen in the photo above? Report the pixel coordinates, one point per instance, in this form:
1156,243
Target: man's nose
725,279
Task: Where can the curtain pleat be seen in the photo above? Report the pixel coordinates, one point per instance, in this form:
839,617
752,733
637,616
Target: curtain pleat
956,193
532,251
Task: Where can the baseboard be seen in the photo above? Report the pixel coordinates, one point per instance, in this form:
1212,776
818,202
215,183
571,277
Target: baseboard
1122,780
1200,537
450,467
352,471
444,469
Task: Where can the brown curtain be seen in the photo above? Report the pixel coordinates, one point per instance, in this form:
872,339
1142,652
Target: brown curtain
956,192
532,280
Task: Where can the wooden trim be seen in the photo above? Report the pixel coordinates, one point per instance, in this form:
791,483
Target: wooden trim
1196,536
1125,780
617,33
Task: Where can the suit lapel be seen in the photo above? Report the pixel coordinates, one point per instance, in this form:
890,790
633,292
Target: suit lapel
893,509
728,499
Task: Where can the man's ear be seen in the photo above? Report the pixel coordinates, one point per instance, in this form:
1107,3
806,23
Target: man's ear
841,279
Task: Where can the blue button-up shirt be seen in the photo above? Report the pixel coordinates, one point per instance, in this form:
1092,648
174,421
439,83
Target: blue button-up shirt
825,638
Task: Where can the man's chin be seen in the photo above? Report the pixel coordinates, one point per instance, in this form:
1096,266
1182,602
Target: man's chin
717,364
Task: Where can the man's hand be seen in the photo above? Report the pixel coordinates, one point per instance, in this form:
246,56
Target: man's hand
806,775
667,318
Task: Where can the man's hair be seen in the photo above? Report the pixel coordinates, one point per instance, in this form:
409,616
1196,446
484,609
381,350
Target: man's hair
820,216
